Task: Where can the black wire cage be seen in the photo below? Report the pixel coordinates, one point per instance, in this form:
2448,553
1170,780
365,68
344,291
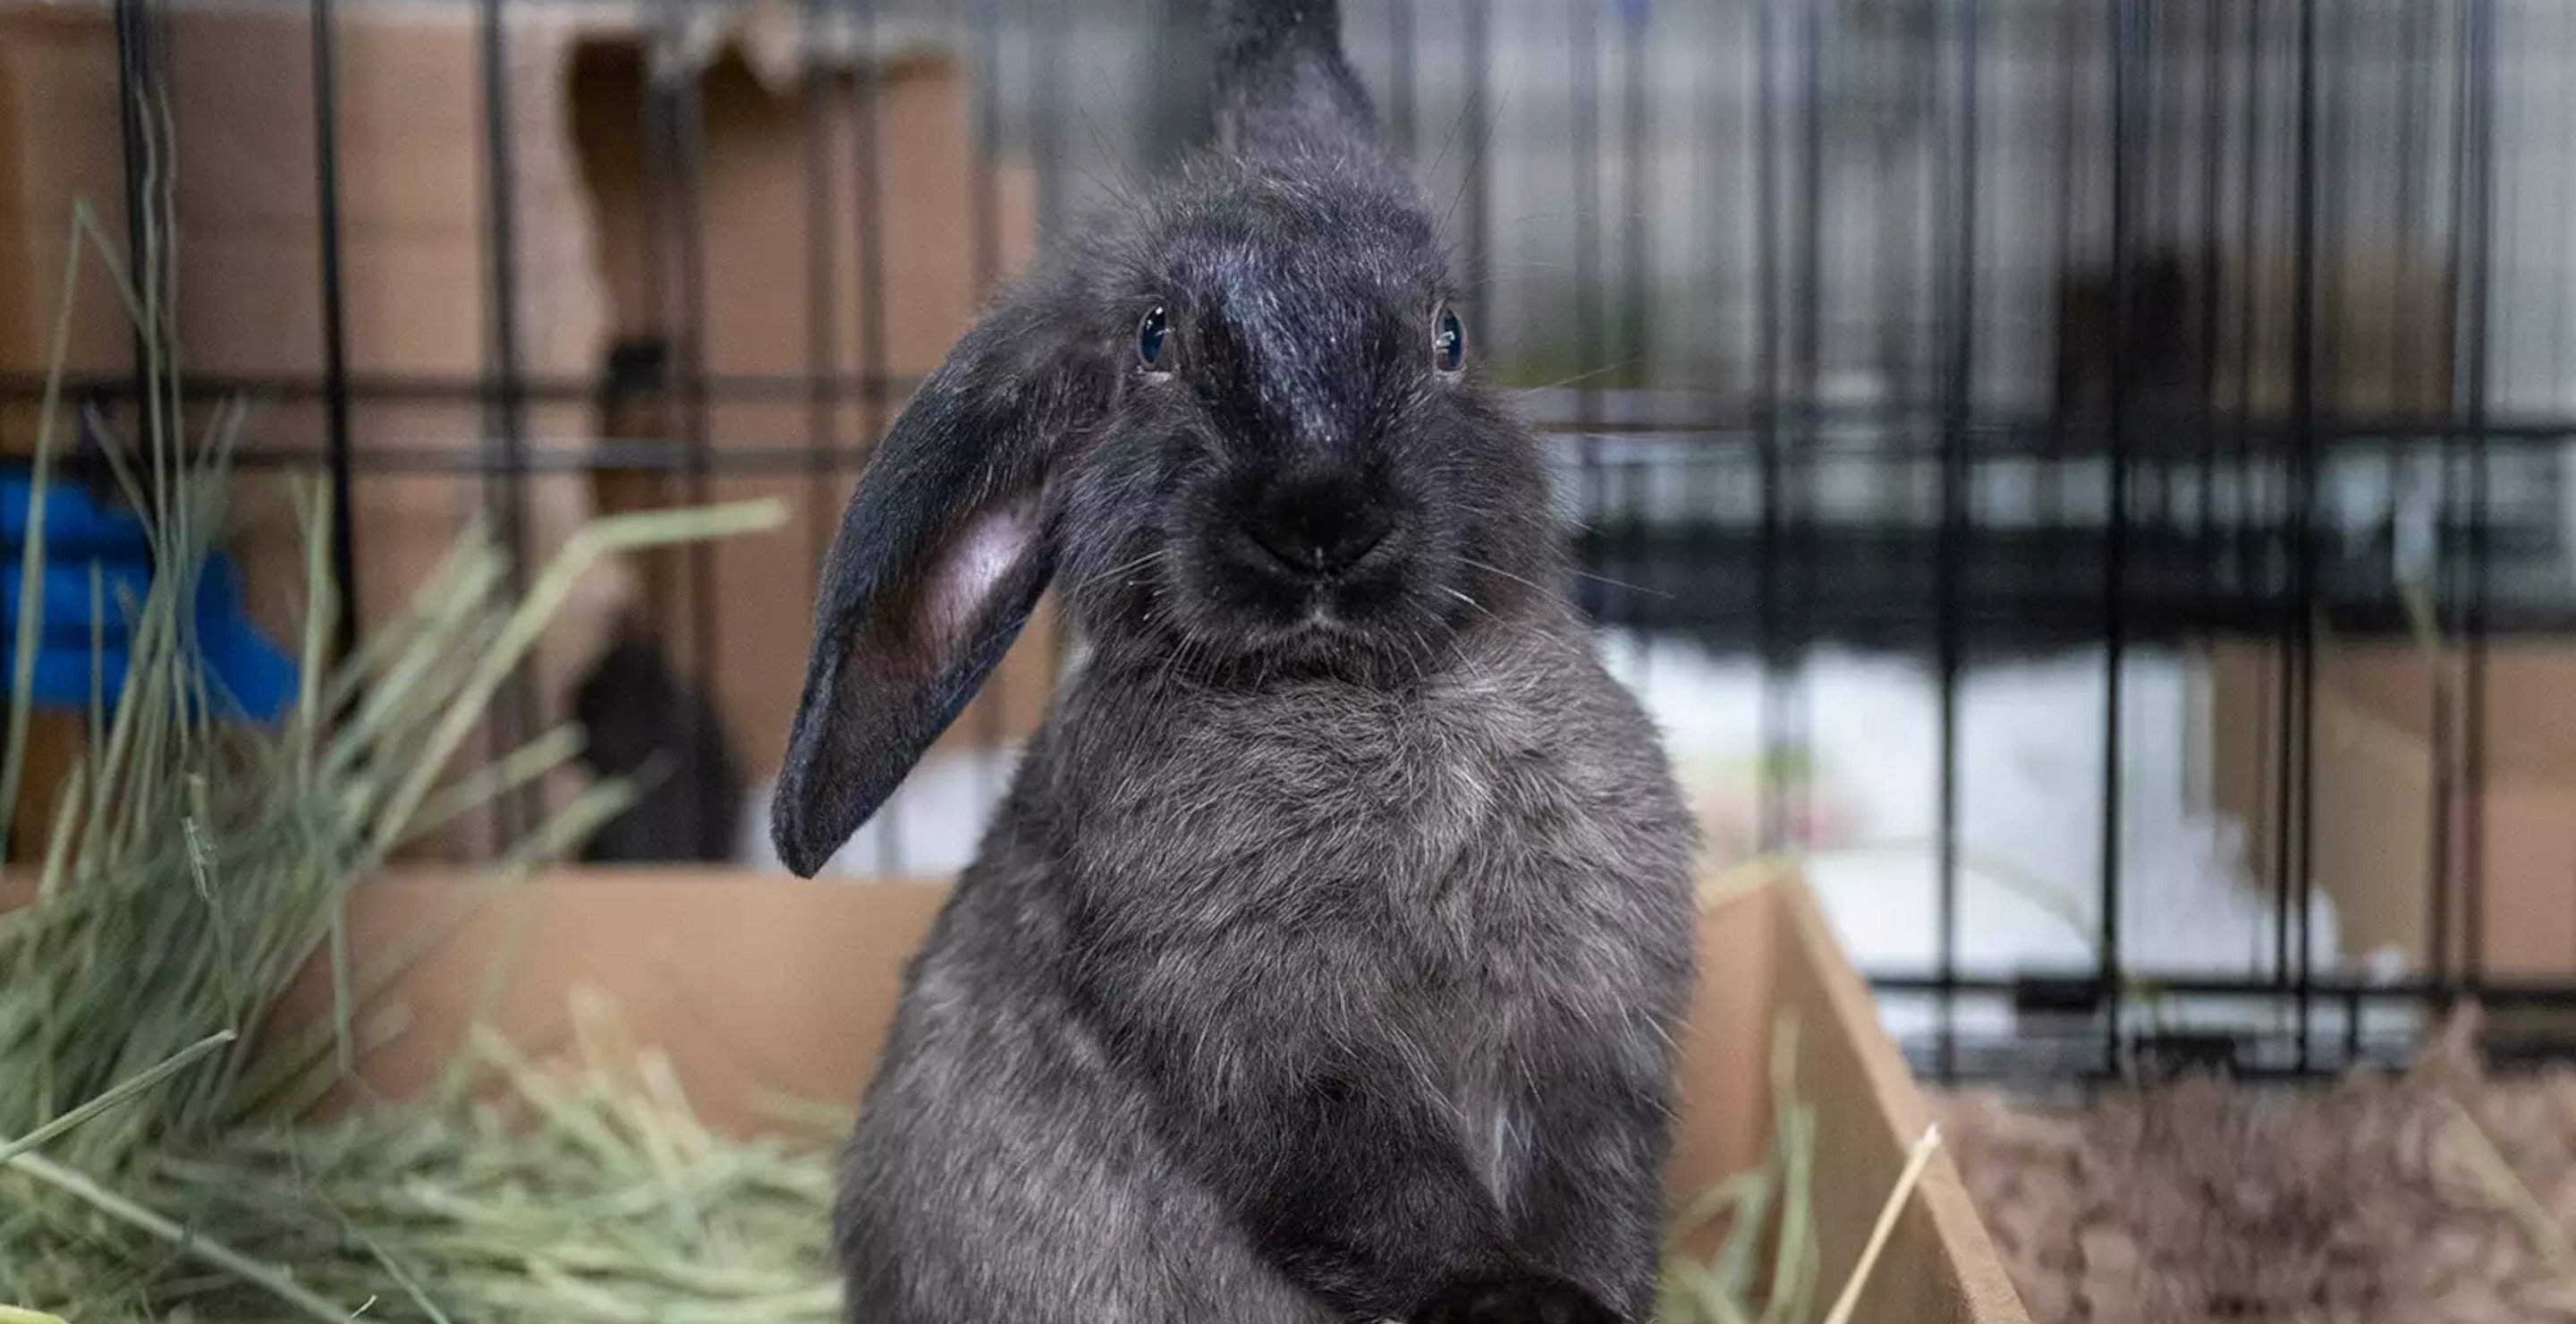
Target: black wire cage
2186,372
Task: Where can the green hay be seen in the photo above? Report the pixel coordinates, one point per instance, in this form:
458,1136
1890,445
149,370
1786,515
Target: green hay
196,866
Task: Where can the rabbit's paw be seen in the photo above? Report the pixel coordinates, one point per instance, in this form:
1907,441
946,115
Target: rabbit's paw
1512,1298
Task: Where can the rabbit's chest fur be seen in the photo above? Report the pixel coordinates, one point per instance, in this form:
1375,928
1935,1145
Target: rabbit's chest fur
1444,879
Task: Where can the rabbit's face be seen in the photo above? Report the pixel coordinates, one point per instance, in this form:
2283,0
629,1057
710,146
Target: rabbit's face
1302,468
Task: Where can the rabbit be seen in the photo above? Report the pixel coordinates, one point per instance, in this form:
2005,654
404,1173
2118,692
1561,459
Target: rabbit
1326,957
645,723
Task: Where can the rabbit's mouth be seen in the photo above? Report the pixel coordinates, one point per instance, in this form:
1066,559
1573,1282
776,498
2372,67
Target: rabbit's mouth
1358,612
1326,643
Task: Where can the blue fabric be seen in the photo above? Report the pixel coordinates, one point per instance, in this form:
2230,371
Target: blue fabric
73,521
249,677
64,588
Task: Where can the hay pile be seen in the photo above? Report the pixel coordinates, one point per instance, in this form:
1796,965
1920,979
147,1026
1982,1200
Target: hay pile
2437,1197
151,1167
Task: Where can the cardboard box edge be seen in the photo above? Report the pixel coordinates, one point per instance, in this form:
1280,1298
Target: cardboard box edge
1815,971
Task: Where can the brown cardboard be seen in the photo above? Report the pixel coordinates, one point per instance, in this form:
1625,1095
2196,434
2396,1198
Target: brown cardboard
2372,767
54,105
412,187
2383,320
55,742
758,987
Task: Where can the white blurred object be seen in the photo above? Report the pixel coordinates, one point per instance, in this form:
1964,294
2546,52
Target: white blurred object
2030,817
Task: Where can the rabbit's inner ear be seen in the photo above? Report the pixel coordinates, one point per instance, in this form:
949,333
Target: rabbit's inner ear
978,559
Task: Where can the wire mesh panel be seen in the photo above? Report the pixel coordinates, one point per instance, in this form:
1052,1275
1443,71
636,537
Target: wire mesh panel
2086,475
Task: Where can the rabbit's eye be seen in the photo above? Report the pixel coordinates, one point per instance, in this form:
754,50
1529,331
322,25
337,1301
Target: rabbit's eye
1449,342
1151,335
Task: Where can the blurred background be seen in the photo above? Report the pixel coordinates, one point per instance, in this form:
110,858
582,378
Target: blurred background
2087,477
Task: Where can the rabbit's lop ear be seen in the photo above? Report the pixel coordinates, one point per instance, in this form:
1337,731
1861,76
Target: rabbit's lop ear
1281,80
940,556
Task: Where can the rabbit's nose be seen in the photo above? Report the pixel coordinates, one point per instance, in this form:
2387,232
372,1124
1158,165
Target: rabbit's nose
1317,528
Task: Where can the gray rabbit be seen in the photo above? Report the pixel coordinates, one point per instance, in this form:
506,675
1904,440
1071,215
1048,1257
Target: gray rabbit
1325,960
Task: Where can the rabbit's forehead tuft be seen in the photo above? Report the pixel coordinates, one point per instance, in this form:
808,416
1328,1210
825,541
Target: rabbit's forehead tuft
1319,334
1269,283
1298,222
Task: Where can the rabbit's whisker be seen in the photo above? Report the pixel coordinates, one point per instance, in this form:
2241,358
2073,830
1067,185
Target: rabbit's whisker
1492,569
1581,377
1618,583
1115,571
1469,599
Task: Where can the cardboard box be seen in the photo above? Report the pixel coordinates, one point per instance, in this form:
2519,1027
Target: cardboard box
756,986
2373,772
415,198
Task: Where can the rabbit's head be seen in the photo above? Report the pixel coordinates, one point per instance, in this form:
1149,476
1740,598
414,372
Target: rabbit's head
1238,423
1294,465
